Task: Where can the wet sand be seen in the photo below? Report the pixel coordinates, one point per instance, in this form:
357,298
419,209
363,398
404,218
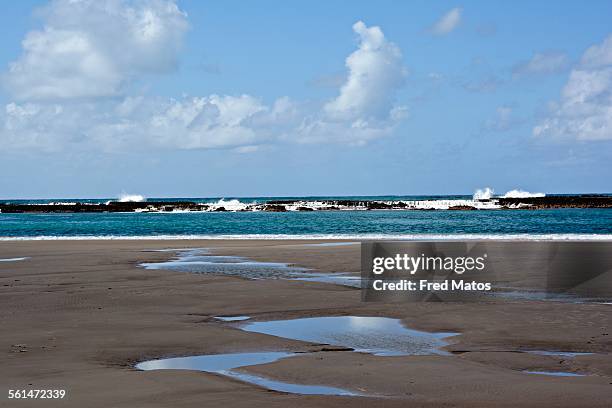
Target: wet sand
77,315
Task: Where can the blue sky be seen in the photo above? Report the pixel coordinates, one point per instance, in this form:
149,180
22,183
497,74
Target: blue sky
272,98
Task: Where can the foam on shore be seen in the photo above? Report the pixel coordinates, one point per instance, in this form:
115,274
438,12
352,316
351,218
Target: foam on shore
314,237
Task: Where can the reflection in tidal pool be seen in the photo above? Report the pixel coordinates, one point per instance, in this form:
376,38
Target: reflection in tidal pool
225,364
376,335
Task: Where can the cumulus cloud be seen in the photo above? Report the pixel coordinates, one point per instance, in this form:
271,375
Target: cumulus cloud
365,107
448,22
584,111
599,55
204,122
551,62
357,132
375,71
90,48
71,89
188,123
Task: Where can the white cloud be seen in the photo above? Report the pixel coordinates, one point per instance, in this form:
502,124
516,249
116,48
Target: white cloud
205,122
136,123
597,56
375,71
543,63
357,132
584,111
365,107
89,48
448,22
73,89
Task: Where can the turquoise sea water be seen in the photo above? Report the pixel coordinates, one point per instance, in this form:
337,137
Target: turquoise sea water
555,223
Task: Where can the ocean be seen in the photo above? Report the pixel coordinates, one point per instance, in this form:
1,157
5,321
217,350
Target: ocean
567,223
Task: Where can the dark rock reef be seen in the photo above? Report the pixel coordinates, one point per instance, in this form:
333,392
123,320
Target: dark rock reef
574,201
462,208
529,203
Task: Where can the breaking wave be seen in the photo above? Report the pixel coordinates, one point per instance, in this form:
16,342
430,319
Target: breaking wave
488,193
229,205
521,194
131,198
484,194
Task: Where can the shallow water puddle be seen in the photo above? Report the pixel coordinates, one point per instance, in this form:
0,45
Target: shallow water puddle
338,278
232,318
224,364
199,261
331,244
13,259
525,294
376,335
555,373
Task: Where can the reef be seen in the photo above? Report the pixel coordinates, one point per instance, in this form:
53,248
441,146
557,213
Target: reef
438,203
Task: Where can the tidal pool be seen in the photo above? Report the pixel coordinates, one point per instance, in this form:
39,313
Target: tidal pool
338,278
376,335
332,244
13,259
381,336
539,295
225,364
555,373
232,318
200,261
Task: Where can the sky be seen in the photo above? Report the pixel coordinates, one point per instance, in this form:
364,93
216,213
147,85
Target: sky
275,98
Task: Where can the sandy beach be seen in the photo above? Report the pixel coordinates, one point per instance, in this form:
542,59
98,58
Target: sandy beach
272,204
78,315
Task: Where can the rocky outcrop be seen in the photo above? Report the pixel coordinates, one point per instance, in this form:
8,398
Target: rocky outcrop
462,208
377,205
274,208
560,201
537,203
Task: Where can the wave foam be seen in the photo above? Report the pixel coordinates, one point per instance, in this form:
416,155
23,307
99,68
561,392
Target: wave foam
359,237
229,205
521,194
488,193
131,198
484,194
